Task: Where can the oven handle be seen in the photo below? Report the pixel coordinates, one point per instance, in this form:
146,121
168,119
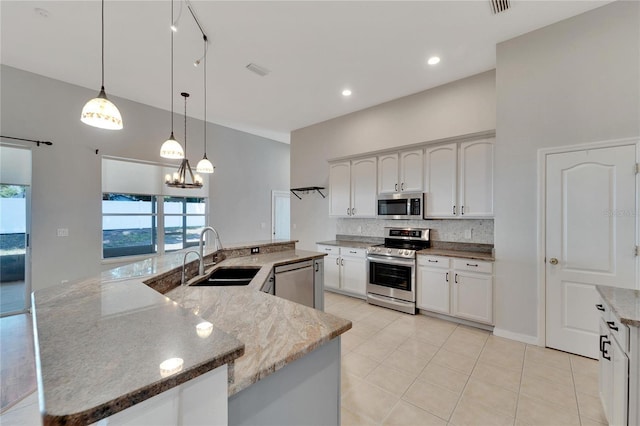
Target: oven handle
390,300
391,261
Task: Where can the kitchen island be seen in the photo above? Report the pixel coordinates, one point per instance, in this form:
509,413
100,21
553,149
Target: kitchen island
100,341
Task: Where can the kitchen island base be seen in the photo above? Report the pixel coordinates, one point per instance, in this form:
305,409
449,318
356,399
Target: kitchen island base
305,392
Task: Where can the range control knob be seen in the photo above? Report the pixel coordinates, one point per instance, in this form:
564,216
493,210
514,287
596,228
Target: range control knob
389,251
401,252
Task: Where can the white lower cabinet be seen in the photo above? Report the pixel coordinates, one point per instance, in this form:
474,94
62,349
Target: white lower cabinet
461,288
345,269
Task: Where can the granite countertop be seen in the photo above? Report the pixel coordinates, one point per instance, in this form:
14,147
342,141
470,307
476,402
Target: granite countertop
100,341
347,243
457,253
624,302
275,331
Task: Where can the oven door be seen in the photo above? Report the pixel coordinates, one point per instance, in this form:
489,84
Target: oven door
391,277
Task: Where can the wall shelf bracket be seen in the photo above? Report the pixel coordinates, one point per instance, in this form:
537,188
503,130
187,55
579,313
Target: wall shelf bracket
306,190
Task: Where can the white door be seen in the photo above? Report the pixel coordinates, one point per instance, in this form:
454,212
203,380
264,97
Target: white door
590,239
340,189
363,187
280,215
388,174
475,190
440,180
411,165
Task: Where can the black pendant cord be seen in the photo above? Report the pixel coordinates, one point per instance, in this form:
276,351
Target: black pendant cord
102,45
28,140
205,91
186,95
172,74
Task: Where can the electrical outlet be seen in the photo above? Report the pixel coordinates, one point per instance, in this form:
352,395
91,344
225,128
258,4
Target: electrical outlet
467,234
255,250
63,232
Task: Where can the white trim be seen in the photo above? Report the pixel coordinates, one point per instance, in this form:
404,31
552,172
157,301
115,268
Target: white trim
541,207
524,338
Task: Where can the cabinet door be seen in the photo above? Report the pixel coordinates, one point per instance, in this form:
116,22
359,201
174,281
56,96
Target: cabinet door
620,384
476,179
433,289
388,174
363,187
332,271
411,176
354,274
605,374
473,296
340,189
441,181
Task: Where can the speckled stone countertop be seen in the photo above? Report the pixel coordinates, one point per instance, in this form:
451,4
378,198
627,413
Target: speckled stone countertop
275,331
347,243
99,346
624,302
457,253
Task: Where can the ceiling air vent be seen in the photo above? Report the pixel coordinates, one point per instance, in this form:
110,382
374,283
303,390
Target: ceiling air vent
261,71
499,5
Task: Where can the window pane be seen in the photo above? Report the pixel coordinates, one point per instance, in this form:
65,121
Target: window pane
128,235
127,204
194,227
173,233
173,205
196,206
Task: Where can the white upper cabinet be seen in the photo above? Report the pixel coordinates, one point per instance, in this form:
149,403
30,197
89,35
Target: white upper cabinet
476,179
441,174
340,189
363,187
459,180
352,188
400,172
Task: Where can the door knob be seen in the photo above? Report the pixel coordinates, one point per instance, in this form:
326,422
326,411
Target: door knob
553,261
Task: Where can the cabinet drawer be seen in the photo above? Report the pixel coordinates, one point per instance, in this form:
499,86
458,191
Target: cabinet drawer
353,252
472,265
434,261
328,249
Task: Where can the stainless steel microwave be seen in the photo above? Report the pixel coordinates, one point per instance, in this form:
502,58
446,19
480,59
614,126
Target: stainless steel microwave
400,206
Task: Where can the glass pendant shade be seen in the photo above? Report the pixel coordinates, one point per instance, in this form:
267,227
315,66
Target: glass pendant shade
171,149
101,112
204,166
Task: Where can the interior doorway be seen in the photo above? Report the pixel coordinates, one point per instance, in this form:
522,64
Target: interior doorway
15,214
280,215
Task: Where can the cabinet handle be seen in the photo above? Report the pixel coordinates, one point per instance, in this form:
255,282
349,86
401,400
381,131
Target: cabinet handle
396,187
600,307
353,252
338,261
402,186
454,210
602,337
462,210
348,214
604,350
455,278
432,261
317,266
341,262
612,325
446,278
353,211
327,249
475,265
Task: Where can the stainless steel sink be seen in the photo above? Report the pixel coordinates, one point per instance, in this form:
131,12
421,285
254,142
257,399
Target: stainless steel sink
229,277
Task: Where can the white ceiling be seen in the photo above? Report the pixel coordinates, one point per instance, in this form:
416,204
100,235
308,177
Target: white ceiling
314,49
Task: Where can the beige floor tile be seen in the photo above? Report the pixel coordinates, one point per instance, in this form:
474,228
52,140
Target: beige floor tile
363,330
469,412
349,418
390,338
370,401
532,411
418,348
348,381
435,337
406,362
471,334
550,357
496,398
390,379
401,328
547,372
461,363
586,384
350,341
511,359
21,416
508,379
405,414
583,365
551,392
588,422
358,365
458,344
376,349
591,407
505,345
443,376
432,398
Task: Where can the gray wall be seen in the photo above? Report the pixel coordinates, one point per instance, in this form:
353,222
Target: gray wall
573,82
459,108
66,190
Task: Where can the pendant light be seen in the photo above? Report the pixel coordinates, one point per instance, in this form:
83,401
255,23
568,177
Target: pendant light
171,148
180,179
101,112
204,165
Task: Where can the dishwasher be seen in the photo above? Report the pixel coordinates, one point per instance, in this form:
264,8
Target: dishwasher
295,282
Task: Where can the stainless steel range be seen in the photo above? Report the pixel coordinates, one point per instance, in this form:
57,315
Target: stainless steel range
391,268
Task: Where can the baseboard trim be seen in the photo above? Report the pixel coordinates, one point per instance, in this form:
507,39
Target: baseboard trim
524,338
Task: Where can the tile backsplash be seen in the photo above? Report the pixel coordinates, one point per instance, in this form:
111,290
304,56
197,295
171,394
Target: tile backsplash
441,229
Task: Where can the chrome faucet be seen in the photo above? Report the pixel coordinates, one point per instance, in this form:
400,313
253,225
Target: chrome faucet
201,246
184,261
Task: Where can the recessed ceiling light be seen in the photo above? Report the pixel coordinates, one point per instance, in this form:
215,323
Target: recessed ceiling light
433,60
42,12
346,92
